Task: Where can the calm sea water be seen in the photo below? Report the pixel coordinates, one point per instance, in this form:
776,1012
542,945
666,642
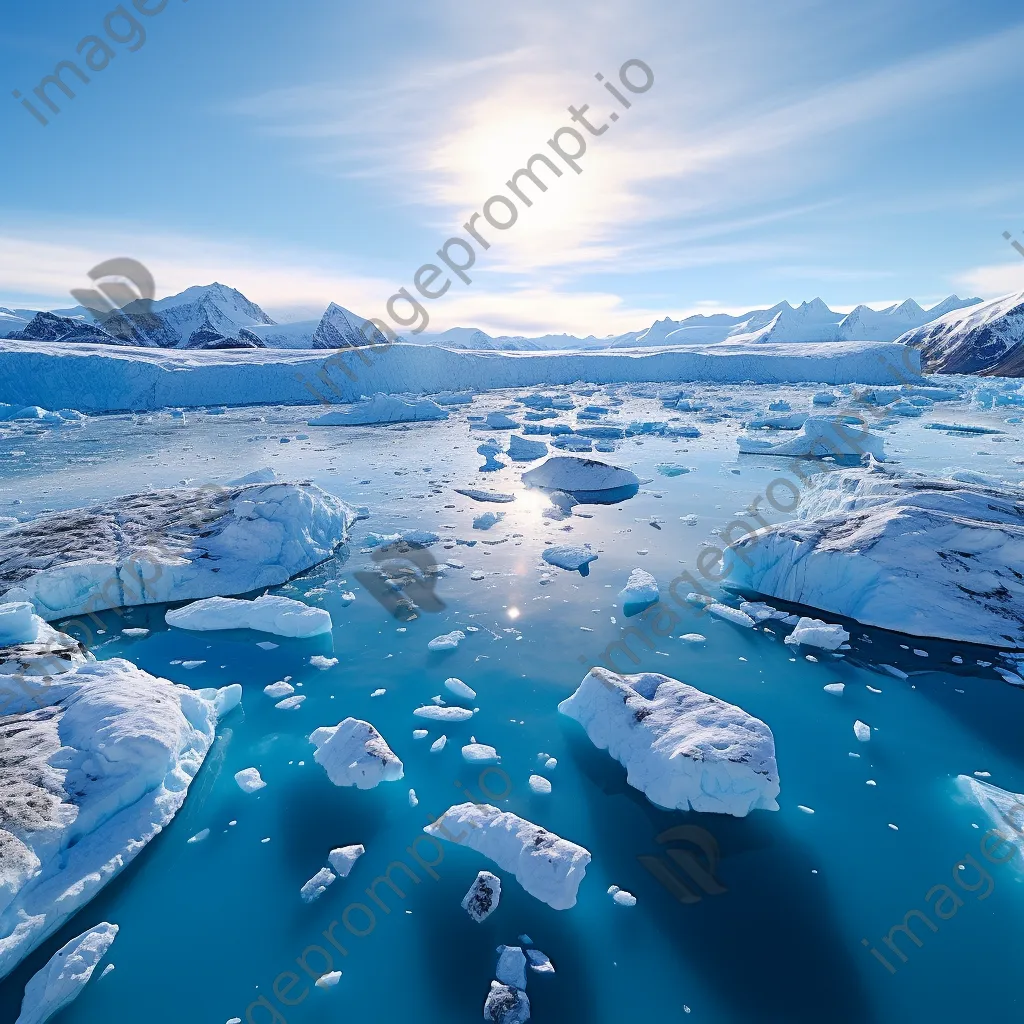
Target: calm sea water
206,928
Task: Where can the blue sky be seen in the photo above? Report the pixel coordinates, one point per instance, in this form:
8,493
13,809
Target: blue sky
313,151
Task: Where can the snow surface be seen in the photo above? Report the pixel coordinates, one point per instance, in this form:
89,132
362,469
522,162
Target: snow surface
100,756
353,753
66,973
106,378
904,552
170,545
681,747
546,866
282,616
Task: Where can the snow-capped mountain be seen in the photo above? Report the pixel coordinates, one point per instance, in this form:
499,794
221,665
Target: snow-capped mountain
987,338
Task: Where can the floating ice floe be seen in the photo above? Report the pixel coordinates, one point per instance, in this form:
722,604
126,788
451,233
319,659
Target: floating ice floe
482,899
487,520
66,973
1005,810
506,1005
681,747
620,897
862,731
522,449
905,552
511,967
539,962
459,688
170,545
585,479
249,780
128,745
353,753
446,714
381,409
343,859
328,980
479,495
322,662
538,784
545,865
281,616
815,633
415,538
317,885
571,557
447,641
480,753
499,421
822,437
640,592
279,689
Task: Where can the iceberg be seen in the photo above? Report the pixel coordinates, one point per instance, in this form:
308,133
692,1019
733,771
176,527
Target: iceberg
344,858
353,753
380,409
545,865
170,545
99,759
815,633
905,552
506,1005
821,437
585,479
681,747
281,616
65,975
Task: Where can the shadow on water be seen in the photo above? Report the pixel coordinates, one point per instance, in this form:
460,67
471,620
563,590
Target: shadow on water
769,946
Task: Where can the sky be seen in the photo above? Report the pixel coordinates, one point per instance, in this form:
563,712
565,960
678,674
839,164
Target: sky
313,150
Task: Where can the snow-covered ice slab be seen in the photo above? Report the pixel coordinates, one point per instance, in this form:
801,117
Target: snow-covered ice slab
821,437
66,973
282,616
583,478
640,591
170,545
353,753
105,378
545,865
99,759
681,747
380,409
905,552
571,557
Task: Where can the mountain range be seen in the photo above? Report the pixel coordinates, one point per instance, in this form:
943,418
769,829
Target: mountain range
956,335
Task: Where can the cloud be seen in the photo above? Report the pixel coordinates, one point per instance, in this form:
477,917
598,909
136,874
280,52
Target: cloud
993,280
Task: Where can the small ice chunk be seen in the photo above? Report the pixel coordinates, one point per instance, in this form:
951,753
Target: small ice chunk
447,641
413,798
249,780
328,980
571,557
539,784
834,688
459,688
419,734
200,836
861,731
135,631
279,690
319,661
511,968
694,638
480,753
447,714
640,591
551,763
378,693
723,611
290,703
438,744
482,899
353,753
486,520
539,962
317,885
815,633
343,859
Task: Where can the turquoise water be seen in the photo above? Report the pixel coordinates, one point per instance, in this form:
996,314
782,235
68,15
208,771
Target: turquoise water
206,928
